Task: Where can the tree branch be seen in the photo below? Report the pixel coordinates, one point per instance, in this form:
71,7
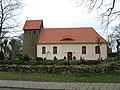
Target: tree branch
107,9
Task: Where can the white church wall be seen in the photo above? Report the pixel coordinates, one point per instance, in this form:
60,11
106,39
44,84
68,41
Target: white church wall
76,49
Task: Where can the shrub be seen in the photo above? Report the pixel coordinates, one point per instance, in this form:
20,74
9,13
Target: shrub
55,58
81,58
44,59
39,59
1,55
64,57
74,58
24,58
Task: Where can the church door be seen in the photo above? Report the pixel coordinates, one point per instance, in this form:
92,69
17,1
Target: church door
69,55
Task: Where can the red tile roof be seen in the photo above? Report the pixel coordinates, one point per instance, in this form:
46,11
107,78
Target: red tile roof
69,35
32,24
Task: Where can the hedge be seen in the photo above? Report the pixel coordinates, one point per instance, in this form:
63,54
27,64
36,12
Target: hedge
45,69
113,67
51,62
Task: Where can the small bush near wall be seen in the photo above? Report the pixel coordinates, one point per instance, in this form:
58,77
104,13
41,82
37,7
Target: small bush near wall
74,58
1,55
44,59
55,58
24,58
64,57
39,59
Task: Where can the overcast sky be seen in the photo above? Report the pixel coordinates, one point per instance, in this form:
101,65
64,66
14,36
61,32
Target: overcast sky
60,13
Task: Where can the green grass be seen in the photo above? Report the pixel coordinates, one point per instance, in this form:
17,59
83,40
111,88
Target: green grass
86,78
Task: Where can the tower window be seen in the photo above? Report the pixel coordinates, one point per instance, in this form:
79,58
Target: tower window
34,31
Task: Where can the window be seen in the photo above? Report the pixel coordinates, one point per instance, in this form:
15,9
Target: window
43,50
83,49
67,39
34,32
97,50
54,50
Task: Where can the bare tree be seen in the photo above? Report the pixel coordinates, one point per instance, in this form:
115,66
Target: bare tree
12,43
114,36
9,9
20,38
5,45
99,44
108,9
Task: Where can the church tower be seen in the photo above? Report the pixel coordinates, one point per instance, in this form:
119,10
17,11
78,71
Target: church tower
32,29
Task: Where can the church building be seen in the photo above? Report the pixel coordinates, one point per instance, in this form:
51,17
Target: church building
62,43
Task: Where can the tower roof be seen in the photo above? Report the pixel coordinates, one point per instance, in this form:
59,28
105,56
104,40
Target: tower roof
32,24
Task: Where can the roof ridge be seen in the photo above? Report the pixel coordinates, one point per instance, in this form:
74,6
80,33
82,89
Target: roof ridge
71,28
33,20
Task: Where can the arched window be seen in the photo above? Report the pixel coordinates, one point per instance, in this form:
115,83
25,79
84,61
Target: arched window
54,50
43,50
97,49
83,49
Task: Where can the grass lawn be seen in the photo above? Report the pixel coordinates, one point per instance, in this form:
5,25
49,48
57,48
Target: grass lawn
86,78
